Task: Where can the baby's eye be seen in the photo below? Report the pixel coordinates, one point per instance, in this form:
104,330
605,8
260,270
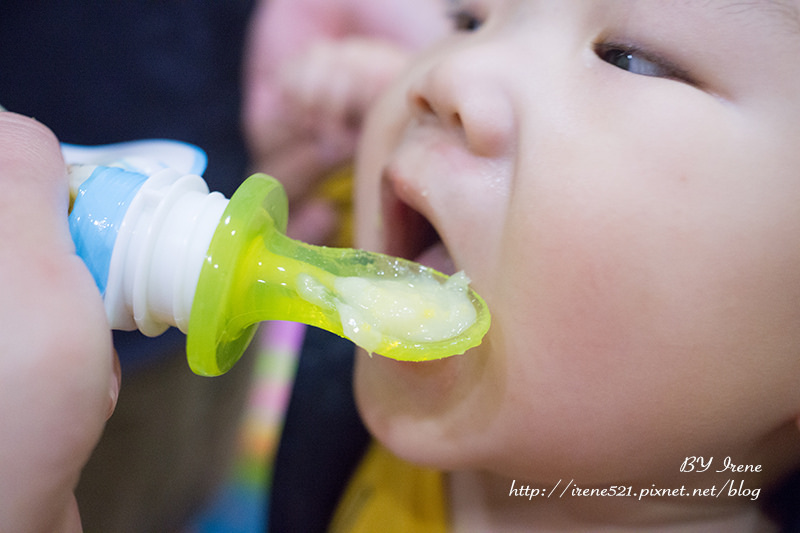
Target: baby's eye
465,20
640,62
630,61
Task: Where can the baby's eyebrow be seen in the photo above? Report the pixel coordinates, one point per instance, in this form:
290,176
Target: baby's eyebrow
776,13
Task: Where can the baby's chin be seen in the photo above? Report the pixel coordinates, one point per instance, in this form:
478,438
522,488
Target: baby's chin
423,412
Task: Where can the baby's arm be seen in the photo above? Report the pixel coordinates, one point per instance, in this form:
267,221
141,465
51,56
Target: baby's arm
330,87
317,46
58,377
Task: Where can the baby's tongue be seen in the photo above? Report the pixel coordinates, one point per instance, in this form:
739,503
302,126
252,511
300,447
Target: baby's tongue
436,257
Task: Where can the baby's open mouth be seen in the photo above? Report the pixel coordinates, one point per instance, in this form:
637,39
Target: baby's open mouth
409,234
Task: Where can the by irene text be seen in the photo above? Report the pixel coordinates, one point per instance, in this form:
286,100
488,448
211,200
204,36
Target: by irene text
733,488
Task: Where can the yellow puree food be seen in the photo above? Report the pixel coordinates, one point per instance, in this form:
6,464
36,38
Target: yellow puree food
417,308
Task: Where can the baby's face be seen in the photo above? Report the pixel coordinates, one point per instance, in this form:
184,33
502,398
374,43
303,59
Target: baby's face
621,181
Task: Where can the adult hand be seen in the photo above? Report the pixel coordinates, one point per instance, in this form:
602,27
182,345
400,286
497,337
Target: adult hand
59,378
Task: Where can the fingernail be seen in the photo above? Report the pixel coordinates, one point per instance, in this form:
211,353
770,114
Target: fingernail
116,383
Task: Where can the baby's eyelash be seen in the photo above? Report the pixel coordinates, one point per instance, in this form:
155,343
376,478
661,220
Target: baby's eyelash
642,62
464,19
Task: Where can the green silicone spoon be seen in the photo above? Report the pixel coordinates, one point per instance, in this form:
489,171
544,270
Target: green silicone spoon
254,272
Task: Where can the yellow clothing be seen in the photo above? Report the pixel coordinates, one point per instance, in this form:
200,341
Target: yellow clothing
337,188
390,495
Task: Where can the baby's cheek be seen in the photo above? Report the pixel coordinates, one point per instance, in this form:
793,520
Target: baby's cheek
578,317
568,281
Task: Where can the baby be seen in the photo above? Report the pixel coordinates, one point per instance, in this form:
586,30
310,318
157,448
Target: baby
619,179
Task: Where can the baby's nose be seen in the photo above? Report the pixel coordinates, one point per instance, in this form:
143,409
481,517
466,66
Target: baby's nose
462,90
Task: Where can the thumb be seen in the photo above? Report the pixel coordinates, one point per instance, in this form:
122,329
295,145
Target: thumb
33,183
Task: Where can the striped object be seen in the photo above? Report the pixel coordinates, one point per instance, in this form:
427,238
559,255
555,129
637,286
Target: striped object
241,504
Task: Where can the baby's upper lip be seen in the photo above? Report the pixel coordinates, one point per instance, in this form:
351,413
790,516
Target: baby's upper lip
414,182
407,231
